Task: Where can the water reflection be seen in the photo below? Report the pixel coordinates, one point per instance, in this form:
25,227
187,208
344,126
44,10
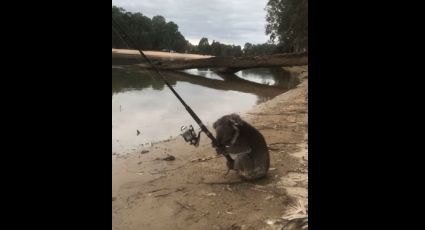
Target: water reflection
207,73
264,83
142,102
125,79
270,76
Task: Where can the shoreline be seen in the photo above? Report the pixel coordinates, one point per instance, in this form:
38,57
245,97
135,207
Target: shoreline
191,191
127,53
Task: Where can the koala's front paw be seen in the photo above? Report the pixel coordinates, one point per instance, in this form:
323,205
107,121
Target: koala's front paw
230,165
220,149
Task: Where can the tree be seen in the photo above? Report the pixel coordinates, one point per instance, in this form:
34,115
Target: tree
204,46
260,49
191,48
236,51
287,23
117,13
155,33
158,27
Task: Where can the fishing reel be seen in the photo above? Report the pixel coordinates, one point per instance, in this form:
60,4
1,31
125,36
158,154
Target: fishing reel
189,135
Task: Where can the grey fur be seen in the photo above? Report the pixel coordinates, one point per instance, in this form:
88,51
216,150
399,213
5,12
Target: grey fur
245,144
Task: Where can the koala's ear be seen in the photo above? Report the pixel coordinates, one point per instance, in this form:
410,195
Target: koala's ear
215,125
235,119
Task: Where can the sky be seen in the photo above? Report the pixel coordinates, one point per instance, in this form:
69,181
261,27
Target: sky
227,21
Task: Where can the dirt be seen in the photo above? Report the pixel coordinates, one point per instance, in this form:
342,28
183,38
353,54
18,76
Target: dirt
192,192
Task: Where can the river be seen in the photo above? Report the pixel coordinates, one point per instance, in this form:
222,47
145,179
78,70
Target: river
144,110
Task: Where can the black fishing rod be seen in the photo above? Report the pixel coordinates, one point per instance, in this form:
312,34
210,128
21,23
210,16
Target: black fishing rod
189,134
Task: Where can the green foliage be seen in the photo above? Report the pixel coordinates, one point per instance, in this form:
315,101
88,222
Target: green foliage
260,49
222,50
204,46
149,34
287,23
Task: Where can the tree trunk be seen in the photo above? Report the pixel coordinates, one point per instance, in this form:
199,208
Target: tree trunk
234,64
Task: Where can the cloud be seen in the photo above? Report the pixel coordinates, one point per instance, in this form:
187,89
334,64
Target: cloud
226,21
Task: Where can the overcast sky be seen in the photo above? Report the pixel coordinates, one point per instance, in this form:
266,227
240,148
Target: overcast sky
226,21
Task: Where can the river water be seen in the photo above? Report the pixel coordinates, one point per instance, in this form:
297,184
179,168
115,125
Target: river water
141,102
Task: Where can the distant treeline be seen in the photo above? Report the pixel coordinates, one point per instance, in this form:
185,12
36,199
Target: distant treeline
158,34
149,34
215,48
287,33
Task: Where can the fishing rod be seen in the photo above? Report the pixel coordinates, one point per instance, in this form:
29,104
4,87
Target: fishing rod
189,134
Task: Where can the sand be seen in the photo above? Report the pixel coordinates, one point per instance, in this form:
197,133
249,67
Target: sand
158,54
194,194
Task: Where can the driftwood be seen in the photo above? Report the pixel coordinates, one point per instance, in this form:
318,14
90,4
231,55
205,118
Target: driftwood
234,64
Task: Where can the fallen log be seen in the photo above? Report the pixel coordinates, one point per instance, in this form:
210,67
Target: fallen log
234,64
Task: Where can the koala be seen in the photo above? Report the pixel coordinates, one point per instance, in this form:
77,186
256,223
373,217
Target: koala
245,145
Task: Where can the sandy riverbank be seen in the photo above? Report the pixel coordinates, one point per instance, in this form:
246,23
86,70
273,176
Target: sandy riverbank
157,54
187,194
